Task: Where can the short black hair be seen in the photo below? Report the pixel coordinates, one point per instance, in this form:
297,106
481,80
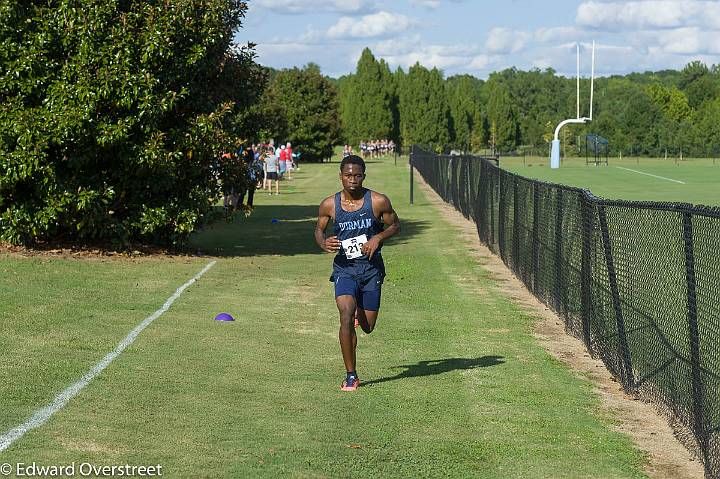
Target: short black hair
352,159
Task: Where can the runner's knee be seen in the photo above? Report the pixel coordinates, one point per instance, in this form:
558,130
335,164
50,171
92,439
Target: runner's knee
347,312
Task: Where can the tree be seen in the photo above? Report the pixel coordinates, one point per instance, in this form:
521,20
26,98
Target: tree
463,93
692,72
708,127
423,108
368,100
345,94
113,115
501,115
671,101
307,102
399,120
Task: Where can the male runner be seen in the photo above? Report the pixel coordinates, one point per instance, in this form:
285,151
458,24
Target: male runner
358,215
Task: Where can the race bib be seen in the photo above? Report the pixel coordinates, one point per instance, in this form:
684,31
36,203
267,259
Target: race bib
352,246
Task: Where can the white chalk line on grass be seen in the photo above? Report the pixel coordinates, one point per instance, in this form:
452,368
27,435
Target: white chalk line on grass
648,174
41,416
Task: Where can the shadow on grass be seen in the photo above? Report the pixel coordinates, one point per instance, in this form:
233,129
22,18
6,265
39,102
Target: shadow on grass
439,366
283,230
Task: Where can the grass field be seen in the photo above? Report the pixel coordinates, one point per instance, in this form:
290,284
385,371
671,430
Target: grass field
691,181
455,385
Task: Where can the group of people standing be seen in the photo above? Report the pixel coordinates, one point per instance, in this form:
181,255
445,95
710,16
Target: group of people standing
261,164
375,148
239,173
277,162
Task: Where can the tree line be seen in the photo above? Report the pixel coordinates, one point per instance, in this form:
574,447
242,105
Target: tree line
651,113
113,116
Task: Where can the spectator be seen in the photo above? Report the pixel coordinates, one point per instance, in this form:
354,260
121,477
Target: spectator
273,171
289,163
266,151
253,172
229,186
280,154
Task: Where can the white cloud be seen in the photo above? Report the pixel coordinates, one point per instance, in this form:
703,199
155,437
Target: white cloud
405,52
504,40
427,3
433,4
689,41
479,62
649,14
270,49
398,45
315,6
558,34
369,26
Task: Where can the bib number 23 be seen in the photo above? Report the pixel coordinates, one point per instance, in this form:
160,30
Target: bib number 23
352,246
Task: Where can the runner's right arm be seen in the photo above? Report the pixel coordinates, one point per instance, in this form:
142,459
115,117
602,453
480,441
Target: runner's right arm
330,244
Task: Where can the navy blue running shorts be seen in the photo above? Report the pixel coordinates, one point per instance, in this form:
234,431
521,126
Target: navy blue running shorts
366,294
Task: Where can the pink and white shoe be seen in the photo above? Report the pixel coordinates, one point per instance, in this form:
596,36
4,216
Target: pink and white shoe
350,384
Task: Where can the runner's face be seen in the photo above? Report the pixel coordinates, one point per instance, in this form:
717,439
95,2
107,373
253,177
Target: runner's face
352,177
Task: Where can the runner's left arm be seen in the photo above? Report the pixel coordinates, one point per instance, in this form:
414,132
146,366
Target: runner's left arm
391,221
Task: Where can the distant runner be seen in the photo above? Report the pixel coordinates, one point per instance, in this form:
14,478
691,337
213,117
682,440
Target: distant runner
359,215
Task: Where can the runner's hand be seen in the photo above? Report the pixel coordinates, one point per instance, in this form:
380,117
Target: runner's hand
332,244
369,248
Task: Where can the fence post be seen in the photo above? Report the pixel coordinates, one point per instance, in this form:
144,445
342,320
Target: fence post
516,230
626,373
586,207
696,376
501,216
412,153
491,182
559,283
535,238
480,212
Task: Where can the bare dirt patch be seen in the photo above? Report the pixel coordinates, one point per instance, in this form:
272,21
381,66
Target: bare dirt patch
101,252
667,458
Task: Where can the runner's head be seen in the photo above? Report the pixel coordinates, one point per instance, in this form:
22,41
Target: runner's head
352,173
352,159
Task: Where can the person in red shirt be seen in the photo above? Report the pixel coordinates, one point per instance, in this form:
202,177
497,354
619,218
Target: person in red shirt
289,162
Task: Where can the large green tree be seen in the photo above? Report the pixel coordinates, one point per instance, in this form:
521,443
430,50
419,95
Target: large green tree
708,127
671,101
368,100
113,115
502,118
423,108
308,105
467,125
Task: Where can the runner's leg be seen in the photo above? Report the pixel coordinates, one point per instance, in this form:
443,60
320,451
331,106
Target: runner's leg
348,339
367,319
368,307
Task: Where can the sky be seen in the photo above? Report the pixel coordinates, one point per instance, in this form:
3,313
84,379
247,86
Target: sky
479,37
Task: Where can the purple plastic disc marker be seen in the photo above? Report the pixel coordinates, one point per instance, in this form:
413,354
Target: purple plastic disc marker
224,317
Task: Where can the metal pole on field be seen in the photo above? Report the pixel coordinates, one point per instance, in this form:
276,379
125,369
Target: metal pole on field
410,160
555,144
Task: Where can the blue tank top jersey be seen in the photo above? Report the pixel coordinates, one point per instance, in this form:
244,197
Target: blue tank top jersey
351,224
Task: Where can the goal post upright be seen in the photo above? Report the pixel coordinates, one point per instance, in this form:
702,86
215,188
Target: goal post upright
555,147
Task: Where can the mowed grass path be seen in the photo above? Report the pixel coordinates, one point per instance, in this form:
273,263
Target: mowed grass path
616,181
455,385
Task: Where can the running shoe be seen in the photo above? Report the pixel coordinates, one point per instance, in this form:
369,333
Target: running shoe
350,384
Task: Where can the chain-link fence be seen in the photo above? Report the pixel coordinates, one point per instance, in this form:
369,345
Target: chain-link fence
638,282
